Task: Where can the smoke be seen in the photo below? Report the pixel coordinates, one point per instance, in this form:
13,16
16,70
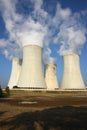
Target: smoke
3,43
10,46
36,26
47,57
22,30
72,33
10,50
50,60
31,33
72,40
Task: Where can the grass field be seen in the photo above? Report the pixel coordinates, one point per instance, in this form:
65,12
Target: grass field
24,110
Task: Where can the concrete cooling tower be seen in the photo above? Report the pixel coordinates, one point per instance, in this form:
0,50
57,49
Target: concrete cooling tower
15,72
50,77
72,78
31,75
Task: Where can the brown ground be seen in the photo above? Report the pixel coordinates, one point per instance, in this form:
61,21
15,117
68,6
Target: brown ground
49,111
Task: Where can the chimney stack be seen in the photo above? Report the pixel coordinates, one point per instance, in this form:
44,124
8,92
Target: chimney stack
31,76
50,77
15,72
72,78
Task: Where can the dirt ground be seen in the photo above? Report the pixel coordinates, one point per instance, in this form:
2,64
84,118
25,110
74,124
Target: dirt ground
36,111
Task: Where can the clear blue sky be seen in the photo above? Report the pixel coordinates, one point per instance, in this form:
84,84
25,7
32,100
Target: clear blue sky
49,5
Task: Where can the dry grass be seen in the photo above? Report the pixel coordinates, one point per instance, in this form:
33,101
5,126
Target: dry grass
51,112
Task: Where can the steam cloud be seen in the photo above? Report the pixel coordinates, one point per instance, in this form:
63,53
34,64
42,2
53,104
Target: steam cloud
71,36
39,27
22,31
47,58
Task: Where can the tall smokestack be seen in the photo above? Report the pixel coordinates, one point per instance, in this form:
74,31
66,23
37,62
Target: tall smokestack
15,72
50,77
72,78
31,75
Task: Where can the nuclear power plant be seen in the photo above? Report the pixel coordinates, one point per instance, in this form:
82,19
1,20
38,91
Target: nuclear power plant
28,74
50,77
31,75
72,78
15,72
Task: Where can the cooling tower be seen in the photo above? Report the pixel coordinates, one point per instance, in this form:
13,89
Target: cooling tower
50,77
15,72
72,78
31,75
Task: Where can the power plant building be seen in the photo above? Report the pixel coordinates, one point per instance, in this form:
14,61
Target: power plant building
72,78
15,72
31,76
50,77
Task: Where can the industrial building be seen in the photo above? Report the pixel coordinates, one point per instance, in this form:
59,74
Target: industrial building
51,77
72,78
31,75
15,72
28,74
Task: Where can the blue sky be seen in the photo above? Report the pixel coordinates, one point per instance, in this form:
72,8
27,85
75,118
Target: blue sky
57,21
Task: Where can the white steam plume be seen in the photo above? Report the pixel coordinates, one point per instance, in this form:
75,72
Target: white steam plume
41,28
47,58
71,34
72,40
10,50
3,43
23,31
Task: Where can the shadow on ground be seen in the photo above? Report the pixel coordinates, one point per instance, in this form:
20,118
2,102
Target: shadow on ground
61,118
